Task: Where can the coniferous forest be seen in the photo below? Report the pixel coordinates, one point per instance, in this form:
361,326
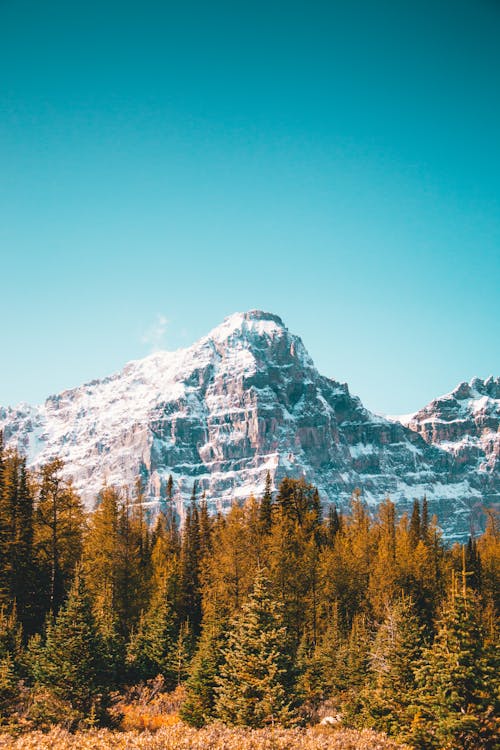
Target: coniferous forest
277,614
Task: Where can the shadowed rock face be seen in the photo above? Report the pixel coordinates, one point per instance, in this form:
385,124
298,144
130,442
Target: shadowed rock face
244,400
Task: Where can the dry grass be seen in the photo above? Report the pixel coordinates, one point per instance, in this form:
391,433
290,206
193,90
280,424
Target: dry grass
215,737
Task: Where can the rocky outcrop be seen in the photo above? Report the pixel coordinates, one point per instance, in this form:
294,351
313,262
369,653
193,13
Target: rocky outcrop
466,424
244,400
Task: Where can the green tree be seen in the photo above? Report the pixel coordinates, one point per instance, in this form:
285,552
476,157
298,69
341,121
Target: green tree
266,506
17,570
458,680
252,684
190,556
70,663
11,660
198,708
389,693
151,650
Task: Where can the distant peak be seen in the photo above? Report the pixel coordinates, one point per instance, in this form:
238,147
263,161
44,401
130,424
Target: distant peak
478,387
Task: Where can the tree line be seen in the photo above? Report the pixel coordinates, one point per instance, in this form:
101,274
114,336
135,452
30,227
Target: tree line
270,614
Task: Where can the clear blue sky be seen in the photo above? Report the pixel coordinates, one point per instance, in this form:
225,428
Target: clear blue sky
337,163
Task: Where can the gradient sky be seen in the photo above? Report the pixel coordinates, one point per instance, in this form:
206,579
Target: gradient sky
337,163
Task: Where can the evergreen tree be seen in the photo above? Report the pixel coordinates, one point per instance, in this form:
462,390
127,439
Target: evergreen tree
293,550
11,660
151,650
205,529
353,663
424,520
252,684
318,663
458,680
190,598
389,693
198,708
333,525
415,524
17,569
70,663
488,547
266,505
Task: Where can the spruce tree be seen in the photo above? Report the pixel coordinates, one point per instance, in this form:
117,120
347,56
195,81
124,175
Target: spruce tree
11,660
151,650
333,525
198,708
17,568
415,524
266,506
70,663
458,698
253,680
189,594
389,693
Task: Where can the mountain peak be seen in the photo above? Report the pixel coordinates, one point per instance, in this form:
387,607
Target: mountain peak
247,400
255,321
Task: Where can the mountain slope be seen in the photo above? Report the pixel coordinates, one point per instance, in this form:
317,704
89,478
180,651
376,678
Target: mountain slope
466,424
241,401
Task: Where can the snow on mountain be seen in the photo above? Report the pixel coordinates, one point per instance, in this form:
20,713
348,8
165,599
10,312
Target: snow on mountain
241,401
466,424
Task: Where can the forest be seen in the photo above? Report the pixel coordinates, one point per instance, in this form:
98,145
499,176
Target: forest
278,614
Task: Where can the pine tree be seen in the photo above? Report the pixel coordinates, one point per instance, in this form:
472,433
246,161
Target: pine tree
252,684
151,650
390,690
133,563
318,663
190,598
11,660
198,708
17,569
458,680
293,549
333,525
424,520
9,682
488,547
353,664
415,524
205,529
266,506
70,663
182,652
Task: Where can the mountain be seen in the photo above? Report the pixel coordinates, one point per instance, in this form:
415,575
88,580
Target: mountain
466,424
244,400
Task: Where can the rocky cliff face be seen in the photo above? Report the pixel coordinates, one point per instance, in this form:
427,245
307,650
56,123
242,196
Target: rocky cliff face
243,400
466,424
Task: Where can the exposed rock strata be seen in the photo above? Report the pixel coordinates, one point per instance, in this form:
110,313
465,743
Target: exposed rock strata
244,400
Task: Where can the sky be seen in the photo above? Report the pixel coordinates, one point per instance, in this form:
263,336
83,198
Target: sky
165,164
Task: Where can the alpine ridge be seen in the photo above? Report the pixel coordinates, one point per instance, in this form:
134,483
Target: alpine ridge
246,399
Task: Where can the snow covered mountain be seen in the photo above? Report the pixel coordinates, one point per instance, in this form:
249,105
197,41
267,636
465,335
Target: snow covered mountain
241,401
466,424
